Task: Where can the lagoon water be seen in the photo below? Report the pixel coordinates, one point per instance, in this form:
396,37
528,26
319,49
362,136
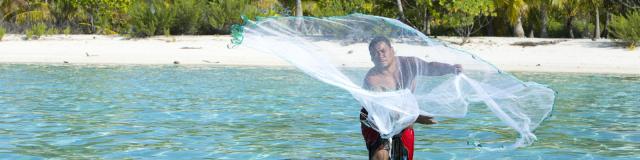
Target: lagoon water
216,112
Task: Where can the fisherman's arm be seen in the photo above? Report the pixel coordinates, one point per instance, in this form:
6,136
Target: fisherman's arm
438,68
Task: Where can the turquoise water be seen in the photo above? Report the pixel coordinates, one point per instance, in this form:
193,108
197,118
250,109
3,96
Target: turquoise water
214,112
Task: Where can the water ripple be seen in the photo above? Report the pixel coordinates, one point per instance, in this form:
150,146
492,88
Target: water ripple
203,112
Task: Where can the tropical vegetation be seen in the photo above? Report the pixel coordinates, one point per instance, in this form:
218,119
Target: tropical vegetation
141,18
627,28
2,31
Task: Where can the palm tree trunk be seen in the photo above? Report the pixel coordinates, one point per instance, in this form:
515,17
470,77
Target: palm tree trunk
606,24
596,32
299,15
545,21
518,31
569,26
531,35
400,11
585,31
426,23
490,29
299,8
93,27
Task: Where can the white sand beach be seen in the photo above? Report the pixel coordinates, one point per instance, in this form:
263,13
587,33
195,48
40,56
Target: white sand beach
566,55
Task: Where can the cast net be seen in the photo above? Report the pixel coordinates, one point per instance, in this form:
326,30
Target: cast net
396,72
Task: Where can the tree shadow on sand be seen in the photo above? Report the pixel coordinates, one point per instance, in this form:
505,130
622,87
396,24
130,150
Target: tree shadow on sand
604,43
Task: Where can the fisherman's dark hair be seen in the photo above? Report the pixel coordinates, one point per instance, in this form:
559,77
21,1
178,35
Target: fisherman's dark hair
377,40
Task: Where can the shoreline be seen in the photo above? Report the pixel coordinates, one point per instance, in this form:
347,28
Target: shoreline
563,56
99,65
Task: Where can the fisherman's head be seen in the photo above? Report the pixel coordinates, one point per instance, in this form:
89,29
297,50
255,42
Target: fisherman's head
382,54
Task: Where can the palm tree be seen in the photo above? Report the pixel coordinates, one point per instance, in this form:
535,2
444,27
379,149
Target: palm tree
596,5
543,6
571,8
10,7
419,11
424,13
299,8
401,12
633,4
596,31
610,8
514,10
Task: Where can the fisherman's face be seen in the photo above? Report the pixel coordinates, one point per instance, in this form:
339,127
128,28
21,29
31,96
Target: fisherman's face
382,55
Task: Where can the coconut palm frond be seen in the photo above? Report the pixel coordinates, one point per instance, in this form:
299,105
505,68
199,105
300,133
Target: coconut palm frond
35,13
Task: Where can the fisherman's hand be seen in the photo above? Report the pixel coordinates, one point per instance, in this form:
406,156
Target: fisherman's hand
457,69
426,120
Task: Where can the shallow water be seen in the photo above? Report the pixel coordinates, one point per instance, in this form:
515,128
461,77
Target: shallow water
205,112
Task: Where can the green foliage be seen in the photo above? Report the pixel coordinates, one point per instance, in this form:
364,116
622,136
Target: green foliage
339,7
187,14
627,28
142,18
166,32
556,28
67,30
28,34
39,30
467,17
2,32
105,16
52,31
223,13
163,15
149,19
584,25
37,12
265,8
512,9
465,13
9,8
66,12
36,31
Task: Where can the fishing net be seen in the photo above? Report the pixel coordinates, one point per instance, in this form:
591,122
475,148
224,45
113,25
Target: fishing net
396,72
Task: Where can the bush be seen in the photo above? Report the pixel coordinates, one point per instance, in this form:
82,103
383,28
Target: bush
340,8
166,32
67,30
187,14
52,31
149,19
28,34
2,31
142,23
627,28
39,30
556,28
222,14
36,31
583,28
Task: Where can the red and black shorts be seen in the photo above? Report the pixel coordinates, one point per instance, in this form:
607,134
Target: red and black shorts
402,143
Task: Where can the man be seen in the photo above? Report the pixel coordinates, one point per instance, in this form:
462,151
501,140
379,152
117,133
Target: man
394,73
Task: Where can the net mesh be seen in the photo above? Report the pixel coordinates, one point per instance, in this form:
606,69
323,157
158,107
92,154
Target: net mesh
397,73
